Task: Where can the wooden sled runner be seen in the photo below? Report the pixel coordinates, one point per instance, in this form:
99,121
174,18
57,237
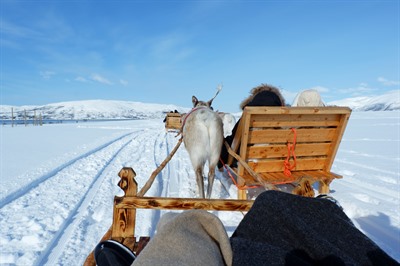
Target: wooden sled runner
287,144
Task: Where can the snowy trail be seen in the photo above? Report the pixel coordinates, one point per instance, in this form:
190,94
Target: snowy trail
99,203
173,186
56,246
84,174
25,189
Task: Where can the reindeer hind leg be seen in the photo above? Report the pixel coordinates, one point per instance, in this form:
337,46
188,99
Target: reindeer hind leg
200,181
211,176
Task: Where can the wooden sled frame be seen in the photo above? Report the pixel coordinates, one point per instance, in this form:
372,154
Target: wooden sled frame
124,212
264,134
173,121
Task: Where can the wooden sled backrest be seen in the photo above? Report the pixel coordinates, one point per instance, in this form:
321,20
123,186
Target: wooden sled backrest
173,121
263,134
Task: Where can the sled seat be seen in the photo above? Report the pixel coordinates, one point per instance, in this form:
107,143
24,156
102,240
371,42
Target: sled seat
305,139
124,211
173,121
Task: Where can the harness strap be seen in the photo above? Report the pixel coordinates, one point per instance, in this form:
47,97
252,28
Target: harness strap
188,114
233,179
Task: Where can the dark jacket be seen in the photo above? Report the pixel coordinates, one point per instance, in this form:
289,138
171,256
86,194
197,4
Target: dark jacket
263,95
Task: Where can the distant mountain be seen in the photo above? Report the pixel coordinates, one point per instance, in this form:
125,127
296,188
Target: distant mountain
91,109
107,109
386,102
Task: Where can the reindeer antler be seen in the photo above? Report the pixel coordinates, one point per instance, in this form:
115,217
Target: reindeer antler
219,88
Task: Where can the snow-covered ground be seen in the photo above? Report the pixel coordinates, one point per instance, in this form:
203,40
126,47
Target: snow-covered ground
58,182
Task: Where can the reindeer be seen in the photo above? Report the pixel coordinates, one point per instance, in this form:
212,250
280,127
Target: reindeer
202,131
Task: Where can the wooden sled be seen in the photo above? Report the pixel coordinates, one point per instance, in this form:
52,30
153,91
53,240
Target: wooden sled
287,144
124,212
173,121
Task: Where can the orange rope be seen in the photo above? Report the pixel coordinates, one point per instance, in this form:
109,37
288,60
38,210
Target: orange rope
290,146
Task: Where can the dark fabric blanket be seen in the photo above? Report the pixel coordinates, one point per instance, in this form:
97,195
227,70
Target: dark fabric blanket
285,229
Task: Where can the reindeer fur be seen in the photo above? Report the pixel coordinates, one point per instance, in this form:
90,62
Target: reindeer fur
203,138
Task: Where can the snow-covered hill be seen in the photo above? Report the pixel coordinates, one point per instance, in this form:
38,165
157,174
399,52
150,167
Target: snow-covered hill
386,102
91,109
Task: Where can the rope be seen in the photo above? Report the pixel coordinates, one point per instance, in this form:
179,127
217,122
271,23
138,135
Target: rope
291,147
158,170
264,183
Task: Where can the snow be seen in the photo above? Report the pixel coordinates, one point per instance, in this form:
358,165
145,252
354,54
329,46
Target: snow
58,182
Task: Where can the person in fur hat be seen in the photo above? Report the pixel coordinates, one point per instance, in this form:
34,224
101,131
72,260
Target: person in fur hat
309,97
262,95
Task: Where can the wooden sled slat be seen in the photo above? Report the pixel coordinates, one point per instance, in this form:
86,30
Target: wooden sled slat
309,135
268,151
294,120
159,203
278,165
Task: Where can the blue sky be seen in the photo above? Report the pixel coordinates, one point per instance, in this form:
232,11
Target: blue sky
167,51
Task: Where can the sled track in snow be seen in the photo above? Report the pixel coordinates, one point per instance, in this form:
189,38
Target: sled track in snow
379,192
25,189
64,207
167,183
56,246
367,167
168,168
160,144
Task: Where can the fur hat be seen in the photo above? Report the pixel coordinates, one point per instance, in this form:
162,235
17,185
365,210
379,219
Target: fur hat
264,95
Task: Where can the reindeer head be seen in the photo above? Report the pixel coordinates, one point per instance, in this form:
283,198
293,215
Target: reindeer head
197,103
